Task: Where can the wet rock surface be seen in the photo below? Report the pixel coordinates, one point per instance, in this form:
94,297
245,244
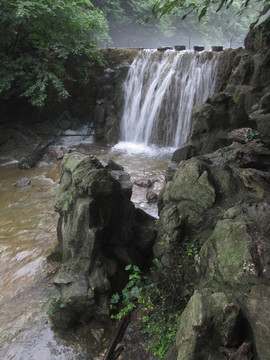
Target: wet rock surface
211,123
225,196
110,100
23,182
99,233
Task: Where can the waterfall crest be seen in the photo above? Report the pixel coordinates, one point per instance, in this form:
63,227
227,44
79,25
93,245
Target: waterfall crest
160,92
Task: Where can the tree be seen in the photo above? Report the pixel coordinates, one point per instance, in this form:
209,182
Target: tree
164,7
214,28
127,28
37,37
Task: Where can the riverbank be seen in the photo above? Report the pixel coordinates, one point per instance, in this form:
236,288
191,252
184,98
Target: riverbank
28,236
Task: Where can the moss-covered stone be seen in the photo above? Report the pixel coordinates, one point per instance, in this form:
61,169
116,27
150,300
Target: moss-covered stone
227,253
191,191
208,323
229,192
97,234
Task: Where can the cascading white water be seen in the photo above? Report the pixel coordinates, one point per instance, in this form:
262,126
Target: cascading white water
160,92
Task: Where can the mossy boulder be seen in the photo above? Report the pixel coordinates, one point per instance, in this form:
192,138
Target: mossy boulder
209,323
224,197
191,191
227,254
99,233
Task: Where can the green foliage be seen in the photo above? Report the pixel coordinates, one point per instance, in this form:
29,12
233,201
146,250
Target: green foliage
161,306
163,327
37,37
192,243
131,293
50,303
165,7
253,135
156,297
131,23
160,296
214,27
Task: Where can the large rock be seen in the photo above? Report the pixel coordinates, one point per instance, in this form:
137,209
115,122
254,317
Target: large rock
99,233
191,191
225,197
209,323
227,315
211,122
258,37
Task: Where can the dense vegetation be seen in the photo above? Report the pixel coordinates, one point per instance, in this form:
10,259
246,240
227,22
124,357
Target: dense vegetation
37,37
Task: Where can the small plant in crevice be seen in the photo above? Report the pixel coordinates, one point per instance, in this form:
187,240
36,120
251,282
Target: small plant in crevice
131,294
192,243
50,303
161,295
154,297
252,135
162,306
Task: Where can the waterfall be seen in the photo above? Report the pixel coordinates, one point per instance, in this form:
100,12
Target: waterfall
160,92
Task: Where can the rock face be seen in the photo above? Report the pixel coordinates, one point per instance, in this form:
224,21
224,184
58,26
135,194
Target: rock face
109,106
99,233
218,186
242,97
258,38
225,197
211,122
110,99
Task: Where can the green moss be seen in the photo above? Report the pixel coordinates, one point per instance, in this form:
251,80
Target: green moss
236,96
227,253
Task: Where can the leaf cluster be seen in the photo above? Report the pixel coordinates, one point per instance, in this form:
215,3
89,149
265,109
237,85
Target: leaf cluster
162,294
37,37
131,294
142,23
165,7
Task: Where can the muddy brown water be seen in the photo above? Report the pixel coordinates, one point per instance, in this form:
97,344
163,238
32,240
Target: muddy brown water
28,235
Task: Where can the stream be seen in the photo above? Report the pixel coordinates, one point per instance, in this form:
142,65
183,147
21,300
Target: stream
28,235
165,85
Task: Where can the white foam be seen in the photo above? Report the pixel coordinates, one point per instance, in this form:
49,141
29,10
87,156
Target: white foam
73,140
131,148
44,178
10,162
